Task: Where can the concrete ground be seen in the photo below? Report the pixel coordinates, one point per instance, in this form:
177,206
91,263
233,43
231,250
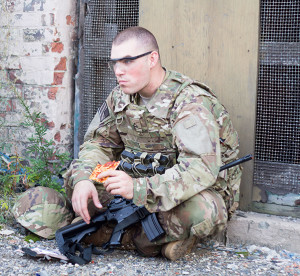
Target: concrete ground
275,232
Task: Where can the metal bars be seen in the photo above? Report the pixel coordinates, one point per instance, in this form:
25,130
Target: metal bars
277,147
103,20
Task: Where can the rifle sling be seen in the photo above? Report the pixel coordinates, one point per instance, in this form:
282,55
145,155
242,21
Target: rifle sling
85,255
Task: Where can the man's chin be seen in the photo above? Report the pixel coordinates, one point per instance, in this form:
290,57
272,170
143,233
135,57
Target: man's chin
127,91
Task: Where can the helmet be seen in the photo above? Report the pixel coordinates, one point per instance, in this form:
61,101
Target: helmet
42,210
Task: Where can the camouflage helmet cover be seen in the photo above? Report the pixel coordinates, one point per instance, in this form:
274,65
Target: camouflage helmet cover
42,211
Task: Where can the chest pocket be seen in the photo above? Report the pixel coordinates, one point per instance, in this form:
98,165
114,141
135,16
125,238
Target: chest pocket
142,131
136,120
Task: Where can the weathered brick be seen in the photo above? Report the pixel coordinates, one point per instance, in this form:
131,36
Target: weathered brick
8,105
3,132
14,6
38,77
36,19
46,48
63,126
10,62
70,21
13,118
10,5
38,63
32,92
52,19
13,76
20,133
8,90
52,93
57,47
51,125
57,136
62,65
27,19
36,32
58,78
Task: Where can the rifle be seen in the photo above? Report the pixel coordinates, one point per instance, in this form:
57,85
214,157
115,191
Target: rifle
121,211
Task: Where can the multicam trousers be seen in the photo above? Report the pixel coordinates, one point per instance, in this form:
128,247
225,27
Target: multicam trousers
202,215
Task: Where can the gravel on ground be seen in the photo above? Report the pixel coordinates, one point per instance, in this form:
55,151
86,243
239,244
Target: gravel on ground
209,258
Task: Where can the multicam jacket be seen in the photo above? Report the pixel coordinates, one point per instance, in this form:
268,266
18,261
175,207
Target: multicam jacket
183,120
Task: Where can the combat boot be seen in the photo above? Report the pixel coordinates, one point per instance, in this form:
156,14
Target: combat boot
178,249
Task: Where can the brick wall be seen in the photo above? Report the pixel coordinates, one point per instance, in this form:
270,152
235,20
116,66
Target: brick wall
37,54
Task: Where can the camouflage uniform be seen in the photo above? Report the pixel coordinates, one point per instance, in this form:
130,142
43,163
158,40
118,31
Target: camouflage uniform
185,121
42,211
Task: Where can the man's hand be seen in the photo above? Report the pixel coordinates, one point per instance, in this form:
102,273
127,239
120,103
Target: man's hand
118,183
83,191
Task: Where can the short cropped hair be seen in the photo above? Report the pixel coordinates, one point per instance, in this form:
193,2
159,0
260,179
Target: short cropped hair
142,35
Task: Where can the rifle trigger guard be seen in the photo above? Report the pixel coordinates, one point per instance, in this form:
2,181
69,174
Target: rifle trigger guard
142,212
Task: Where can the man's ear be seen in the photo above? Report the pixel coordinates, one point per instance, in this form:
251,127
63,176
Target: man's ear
154,59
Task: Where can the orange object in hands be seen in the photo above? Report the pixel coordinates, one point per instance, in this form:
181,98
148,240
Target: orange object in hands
111,165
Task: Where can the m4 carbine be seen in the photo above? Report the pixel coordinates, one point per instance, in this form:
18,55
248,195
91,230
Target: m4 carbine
121,211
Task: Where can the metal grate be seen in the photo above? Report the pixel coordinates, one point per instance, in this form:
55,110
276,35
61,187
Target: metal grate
103,20
277,147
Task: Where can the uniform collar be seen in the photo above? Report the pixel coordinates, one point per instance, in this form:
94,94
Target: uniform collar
159,103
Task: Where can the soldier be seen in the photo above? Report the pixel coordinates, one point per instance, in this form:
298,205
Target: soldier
154,110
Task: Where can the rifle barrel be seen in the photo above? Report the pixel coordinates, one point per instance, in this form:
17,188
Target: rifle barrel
236,162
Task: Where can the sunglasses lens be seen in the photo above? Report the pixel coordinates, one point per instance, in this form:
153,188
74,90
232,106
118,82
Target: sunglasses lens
111,65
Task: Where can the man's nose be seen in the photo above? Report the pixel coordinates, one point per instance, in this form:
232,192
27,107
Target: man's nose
118,69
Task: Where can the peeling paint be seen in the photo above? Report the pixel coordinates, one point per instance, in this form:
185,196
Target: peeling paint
33,5
43,20
10,5
45,48
52,17
288,199
31,35
63,126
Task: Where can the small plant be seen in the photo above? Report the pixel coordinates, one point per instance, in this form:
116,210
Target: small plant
5,207
46,162
11,173
42,162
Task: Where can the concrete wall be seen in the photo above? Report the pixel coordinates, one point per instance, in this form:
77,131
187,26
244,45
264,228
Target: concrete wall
38,55
265,230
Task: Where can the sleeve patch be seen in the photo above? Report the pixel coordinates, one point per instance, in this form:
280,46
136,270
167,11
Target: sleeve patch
193,135
103,112
190,122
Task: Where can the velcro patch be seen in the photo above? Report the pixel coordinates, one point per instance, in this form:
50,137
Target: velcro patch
193,135
190,122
